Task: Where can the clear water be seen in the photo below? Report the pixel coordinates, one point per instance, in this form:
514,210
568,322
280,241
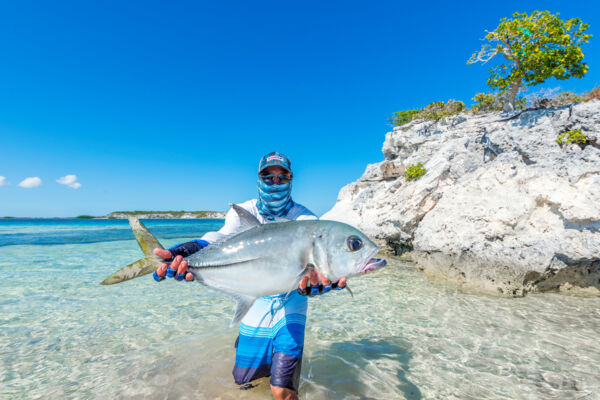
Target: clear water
62,335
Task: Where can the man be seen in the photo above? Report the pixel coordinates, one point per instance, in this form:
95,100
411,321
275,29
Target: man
271,337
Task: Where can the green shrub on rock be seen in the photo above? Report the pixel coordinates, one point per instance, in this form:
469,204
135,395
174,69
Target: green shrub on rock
520,103
403,117
439,109
486,102
414,171
565,98
572,136
433,112
561,99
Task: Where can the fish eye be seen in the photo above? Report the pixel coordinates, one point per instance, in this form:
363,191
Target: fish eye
354,243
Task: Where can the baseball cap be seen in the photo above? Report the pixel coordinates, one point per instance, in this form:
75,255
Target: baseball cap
275,158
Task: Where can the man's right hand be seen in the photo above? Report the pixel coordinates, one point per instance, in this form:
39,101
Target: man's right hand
315,289
178,264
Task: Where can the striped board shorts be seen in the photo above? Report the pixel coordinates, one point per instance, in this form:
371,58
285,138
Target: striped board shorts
271,341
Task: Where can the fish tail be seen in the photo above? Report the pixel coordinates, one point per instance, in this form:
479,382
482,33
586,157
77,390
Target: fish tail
145,239
143,266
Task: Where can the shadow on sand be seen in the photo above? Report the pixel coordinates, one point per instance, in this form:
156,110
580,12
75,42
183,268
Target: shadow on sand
350,369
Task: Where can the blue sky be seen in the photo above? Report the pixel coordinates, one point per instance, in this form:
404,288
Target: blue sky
169,105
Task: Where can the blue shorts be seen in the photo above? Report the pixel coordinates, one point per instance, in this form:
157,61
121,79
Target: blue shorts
271,341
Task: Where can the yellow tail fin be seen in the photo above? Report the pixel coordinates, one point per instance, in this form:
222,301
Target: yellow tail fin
141,267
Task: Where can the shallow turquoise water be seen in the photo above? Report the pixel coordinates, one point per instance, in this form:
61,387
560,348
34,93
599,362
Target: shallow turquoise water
65,336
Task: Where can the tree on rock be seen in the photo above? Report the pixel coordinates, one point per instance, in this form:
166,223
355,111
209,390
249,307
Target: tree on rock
536,47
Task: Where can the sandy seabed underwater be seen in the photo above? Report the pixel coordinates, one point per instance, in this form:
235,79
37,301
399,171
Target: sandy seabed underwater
63,335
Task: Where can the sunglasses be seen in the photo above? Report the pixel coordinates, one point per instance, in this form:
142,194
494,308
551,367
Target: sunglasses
269,179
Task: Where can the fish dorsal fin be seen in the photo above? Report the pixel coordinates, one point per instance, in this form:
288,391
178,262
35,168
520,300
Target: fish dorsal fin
145,239
247,220
243,305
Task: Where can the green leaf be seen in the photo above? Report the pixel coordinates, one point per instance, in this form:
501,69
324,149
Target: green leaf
535,47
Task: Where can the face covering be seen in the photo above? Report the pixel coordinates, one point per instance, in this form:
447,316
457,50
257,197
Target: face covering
274,200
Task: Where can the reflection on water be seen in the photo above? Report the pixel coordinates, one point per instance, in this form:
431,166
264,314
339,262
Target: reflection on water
344,367
64,336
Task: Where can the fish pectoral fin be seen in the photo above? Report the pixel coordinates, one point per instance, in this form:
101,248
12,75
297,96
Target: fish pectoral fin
243,305
320,259
349,291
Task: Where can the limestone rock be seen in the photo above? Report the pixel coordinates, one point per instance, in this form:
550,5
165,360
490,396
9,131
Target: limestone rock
503,207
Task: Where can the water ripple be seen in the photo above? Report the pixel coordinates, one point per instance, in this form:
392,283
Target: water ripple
65,336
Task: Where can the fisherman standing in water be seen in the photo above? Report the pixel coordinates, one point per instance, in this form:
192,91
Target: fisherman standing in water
271,337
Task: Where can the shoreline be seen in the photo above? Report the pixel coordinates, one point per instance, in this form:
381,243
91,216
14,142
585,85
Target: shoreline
139,215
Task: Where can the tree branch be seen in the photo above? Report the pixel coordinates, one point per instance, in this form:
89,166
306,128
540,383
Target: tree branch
483,56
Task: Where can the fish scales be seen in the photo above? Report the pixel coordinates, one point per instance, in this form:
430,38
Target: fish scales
265,259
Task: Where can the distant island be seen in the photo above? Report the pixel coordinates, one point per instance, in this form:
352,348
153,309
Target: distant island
159,215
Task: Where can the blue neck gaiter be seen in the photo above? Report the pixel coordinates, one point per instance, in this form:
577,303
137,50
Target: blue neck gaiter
274,200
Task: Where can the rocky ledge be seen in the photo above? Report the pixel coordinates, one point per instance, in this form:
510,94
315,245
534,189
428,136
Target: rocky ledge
503,208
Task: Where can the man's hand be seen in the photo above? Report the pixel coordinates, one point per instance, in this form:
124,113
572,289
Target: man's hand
315,288
178,267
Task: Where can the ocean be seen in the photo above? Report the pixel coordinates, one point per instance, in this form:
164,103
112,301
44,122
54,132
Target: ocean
63,335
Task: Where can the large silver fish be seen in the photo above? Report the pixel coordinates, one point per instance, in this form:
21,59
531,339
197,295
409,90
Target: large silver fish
265,259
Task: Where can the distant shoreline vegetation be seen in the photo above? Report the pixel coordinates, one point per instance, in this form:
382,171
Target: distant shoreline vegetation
142,215
162,215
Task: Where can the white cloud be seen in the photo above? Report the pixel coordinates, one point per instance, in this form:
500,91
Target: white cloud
3,181
70,181
31,182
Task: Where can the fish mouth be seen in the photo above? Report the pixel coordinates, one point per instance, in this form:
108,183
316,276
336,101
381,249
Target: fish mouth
373,264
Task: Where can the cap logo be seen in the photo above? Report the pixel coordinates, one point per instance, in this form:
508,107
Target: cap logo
278,158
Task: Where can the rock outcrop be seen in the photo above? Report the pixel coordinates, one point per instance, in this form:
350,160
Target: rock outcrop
503,208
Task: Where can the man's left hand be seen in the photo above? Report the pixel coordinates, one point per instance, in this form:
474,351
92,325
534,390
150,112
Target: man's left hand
315,288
